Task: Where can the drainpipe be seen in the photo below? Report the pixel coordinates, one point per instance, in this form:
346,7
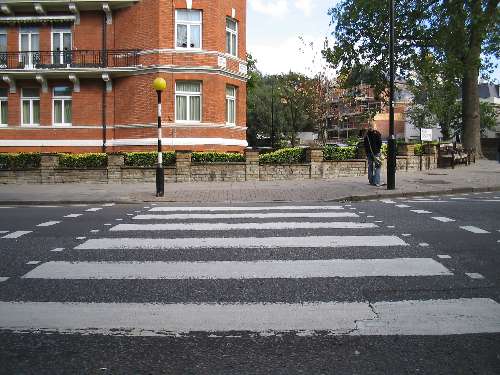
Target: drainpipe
104,62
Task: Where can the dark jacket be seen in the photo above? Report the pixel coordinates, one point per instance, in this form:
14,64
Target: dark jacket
375,141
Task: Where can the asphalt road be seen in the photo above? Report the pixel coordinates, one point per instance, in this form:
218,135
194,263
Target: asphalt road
393,286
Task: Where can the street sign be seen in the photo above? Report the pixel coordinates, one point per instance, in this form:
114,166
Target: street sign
426,134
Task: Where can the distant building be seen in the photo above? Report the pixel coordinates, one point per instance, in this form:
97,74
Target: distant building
490,93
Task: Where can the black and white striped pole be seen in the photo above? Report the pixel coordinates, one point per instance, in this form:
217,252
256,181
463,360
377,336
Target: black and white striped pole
159,85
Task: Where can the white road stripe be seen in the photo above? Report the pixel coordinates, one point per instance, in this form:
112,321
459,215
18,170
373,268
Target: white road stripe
421,211
444,256
48,223
387,201
108,204
73,215
249,215
458,198
57,249
94,209
490,200
241,242
2,279
17,234
428,317
243,208
402,205
266,269
474,275
5,207
4,231
33,262
429,201
242,226
474,229
443,219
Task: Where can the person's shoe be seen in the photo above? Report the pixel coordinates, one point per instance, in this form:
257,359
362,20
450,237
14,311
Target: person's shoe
377,185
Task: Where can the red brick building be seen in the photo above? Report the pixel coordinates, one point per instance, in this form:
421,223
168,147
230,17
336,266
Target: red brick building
77,76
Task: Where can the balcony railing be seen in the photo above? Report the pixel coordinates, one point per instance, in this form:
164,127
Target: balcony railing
69,59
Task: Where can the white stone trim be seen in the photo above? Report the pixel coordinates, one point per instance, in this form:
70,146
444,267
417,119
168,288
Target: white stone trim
189,4
39,9
121,142
198,51
74,9
129,126
11,82
109,14
33,19
76,82
109,83
6,10
43,82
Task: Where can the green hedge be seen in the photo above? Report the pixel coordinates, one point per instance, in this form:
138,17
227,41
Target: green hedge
148,159
291,155
21,160
419,149
217,157
81,161
339,152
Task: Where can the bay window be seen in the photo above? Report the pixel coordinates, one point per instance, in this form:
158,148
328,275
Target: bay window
188,101
30,106
61,105
230,105
188,29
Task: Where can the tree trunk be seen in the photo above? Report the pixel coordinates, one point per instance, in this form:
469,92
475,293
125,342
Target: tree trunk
471,138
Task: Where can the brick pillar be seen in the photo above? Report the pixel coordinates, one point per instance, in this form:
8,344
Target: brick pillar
48,163
314,156
183,166
252,165
115,164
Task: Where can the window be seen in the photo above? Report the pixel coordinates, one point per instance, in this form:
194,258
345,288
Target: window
30,106
4,100
3,48
188,28
29,45
231,37
61,46
187,101
61,105
231,105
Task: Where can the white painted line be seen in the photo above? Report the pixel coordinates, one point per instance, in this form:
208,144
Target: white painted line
17,234
490,200
130,214
108,224
488,192
443,219
241,242
458,198
48,223
108,204
81,238
391,226
423,244
402,205
352,208
43,206
244,209
406,234
379,221
474,229
387,201
57,249
94,209
137,211
421,211
370,216
79,205
118,219
241,226
4,231
417,317
361,212
429,201
444,256
94,231
474,275
249,215
2,279
5,207
33,262
268,269
73,215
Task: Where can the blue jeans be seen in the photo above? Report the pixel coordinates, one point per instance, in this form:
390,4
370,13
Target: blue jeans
373,171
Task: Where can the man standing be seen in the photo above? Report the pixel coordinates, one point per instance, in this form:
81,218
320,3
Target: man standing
373,144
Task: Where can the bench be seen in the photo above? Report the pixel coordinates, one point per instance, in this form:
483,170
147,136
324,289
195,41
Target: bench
450,154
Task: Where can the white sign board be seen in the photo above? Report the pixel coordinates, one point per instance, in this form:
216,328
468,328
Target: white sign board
426,134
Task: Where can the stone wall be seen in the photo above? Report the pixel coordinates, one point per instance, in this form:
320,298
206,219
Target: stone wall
185,170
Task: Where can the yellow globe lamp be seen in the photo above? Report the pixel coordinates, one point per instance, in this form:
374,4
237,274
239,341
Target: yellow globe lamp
159,84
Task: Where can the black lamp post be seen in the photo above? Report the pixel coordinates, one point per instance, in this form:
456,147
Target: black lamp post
391,159
159,85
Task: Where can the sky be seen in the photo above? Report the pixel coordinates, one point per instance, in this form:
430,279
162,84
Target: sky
274,28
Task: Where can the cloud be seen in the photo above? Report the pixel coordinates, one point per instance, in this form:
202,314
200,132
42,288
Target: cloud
276,8
305,6
292,54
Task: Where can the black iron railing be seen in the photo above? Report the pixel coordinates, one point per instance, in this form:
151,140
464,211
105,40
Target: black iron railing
69,59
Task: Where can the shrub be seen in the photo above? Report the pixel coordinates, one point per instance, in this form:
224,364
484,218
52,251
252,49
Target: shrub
148,159
419,149
352,141
21,160
290,155
81,161
217,157
383,149
339,153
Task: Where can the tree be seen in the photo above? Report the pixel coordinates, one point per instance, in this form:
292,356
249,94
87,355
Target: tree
463,36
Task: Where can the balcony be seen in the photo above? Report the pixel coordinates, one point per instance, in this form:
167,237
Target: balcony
74,59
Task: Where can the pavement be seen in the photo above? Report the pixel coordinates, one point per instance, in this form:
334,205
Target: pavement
484,175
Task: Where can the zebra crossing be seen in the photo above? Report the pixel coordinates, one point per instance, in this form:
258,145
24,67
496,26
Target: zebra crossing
198,244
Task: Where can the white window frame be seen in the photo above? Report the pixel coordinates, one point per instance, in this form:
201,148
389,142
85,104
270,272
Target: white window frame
230,98
61,32
232,32
189,24
2,100
31,100
30,64
188,94
64,99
